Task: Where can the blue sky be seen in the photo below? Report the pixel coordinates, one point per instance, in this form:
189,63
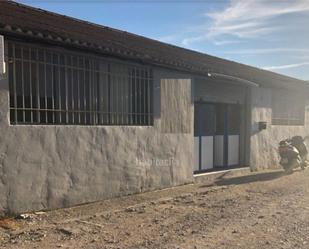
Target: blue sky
269,34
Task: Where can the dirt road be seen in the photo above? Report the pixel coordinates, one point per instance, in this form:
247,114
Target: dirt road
266,210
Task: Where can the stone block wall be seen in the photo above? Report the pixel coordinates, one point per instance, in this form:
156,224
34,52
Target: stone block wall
264,144
47,167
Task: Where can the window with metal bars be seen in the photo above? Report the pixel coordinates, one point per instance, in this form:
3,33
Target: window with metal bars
288,108
49,86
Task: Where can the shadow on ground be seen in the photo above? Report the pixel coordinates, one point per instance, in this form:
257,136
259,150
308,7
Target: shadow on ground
262,177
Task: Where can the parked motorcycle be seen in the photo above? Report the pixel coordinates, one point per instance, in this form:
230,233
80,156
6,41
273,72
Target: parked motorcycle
293,153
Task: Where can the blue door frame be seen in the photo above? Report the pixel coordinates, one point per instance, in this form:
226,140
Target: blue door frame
202,128
226,133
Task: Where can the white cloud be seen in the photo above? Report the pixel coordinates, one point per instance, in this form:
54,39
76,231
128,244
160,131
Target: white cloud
187,41
268,51
168,38
225,42
288,66
245,19
258,9
241,16
302,56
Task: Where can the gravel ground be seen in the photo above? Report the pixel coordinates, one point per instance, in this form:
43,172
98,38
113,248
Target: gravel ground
265,210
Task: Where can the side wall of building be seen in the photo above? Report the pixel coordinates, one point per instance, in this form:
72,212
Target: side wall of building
46,167
264,143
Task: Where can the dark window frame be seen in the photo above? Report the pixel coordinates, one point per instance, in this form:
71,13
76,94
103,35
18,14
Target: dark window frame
288,108
70,88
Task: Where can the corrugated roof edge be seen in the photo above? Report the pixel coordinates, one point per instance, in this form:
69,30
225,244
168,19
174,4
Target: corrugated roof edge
156,41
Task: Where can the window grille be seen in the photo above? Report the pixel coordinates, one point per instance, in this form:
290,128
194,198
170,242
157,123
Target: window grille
288,108
49,86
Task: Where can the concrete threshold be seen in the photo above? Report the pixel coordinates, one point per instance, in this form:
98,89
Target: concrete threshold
211,177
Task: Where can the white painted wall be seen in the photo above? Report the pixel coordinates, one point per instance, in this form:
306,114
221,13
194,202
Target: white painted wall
46,167
264,144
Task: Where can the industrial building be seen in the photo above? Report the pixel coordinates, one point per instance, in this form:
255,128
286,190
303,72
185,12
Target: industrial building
89,112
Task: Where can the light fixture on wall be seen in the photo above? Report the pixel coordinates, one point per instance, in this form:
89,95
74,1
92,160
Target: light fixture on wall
262,125
233,78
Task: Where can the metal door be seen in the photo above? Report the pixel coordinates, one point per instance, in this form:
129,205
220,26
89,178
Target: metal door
204,130
233,134
227,135
216,135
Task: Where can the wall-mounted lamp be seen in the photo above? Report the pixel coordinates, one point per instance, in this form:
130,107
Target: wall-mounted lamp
262,125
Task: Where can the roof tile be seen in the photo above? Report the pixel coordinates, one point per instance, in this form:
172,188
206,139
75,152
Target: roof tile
18,19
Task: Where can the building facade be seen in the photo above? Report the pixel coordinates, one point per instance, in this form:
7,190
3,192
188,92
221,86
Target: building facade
85,117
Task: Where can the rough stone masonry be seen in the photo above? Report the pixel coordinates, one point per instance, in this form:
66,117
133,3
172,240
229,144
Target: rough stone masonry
47,167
